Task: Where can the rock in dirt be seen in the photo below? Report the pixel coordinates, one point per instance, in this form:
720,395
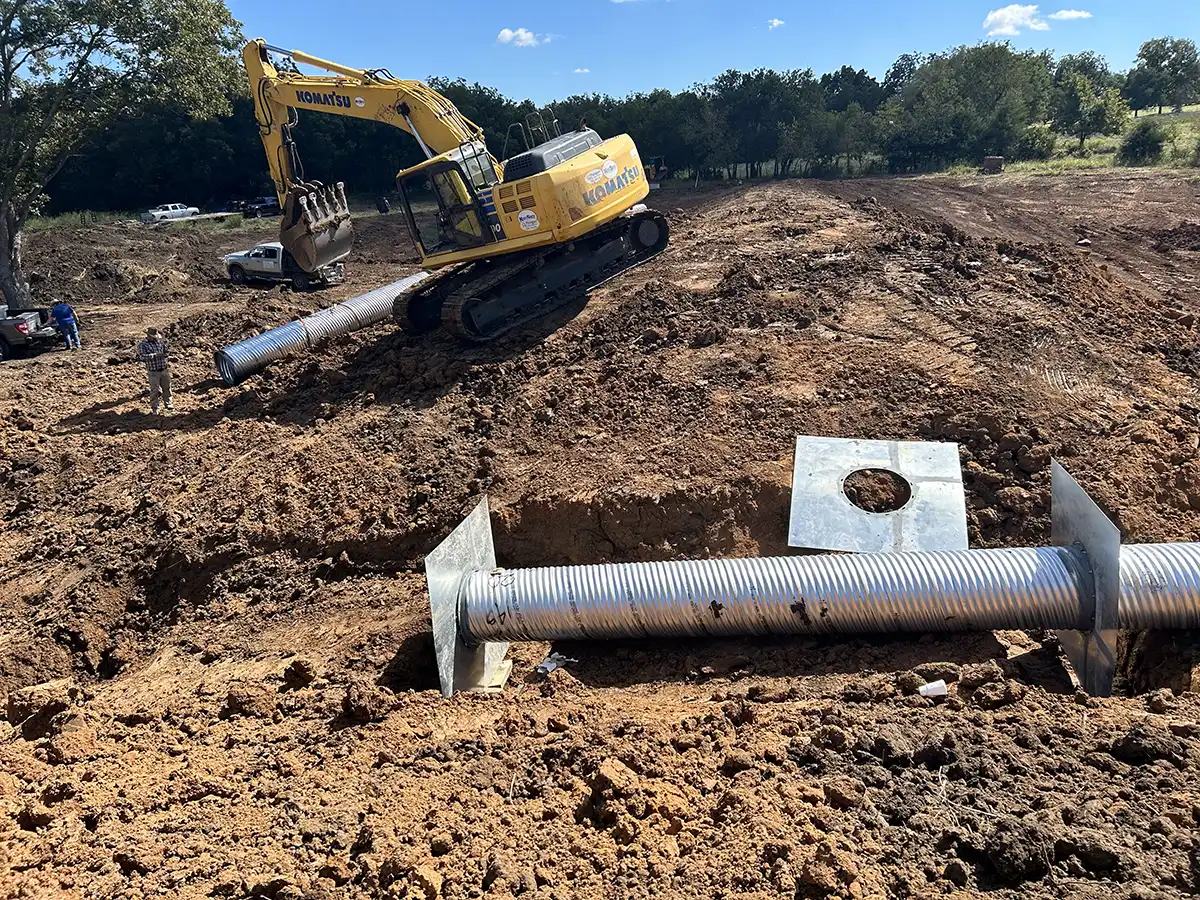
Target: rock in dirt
831,737
956,872
996,694
736,761
1161,701
74,740
890,746
937,749
32,708
909,682
256,700
1017,851
844,793
1147,742
425,883
1096,851
827,871
1016,500
366,702
300,672
500,871
977,675
938,671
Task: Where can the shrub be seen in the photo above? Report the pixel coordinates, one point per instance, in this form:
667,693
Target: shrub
1143,145
1036,142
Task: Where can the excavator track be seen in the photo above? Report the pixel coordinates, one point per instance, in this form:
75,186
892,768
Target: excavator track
481,301
528,288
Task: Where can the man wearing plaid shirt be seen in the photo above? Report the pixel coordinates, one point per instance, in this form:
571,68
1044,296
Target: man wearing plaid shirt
153,352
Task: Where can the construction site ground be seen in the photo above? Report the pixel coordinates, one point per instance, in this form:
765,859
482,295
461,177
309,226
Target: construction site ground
214,629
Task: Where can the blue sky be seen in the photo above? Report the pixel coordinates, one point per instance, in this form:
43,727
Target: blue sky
551,48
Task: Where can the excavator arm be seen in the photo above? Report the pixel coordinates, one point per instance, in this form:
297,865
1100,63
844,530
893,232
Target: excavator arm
316,227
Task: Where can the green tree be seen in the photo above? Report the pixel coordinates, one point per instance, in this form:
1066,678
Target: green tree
848,85
1141,89
1091,65
69,68
1082,112
1174,66
901,73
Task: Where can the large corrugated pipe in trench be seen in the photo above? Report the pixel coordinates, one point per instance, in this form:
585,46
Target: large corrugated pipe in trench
239,361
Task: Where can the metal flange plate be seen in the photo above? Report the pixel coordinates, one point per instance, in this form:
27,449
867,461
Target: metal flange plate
1075,519
467,549
823,518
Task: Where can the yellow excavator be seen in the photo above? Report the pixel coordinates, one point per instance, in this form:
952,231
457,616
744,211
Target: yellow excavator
509,241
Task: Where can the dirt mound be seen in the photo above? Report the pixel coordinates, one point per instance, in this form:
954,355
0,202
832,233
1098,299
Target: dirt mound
229,601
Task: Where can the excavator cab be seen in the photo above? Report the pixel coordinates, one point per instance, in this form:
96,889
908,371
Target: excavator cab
448,200
316,227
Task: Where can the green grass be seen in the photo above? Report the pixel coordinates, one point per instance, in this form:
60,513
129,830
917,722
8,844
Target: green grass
1060,165
75,219
1188,111
230,222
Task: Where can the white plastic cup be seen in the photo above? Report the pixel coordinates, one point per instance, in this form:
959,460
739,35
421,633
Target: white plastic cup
934,689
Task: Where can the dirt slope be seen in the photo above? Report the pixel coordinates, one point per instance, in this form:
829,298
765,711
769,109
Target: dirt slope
234,592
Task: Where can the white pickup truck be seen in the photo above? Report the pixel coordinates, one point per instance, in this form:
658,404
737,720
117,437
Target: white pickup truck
270,262
169,211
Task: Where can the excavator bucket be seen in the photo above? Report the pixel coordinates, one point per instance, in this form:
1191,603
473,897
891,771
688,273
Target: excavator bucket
316,227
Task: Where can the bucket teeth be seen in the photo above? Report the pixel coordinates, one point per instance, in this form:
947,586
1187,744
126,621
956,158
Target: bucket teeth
316,228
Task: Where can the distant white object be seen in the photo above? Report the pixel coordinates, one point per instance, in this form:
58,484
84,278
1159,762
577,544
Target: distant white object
169,211
934,689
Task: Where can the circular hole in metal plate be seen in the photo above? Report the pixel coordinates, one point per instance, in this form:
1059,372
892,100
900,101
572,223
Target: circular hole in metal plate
877,490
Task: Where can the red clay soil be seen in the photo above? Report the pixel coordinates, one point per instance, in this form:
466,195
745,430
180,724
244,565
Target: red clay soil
215,631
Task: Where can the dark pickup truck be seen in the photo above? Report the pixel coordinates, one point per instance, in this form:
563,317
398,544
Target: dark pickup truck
22,331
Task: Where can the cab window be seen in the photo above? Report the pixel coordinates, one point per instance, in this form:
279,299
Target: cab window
443,210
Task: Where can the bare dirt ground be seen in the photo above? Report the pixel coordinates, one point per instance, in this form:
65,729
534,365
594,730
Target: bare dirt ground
229,609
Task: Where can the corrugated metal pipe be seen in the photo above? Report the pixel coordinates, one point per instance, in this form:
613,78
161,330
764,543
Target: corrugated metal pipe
239,361
1086,586
963,590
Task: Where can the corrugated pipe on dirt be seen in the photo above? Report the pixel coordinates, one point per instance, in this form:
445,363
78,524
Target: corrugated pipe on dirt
239,361
960,590
1087,586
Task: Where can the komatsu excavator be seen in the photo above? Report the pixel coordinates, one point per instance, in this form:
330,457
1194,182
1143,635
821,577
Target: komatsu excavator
510,241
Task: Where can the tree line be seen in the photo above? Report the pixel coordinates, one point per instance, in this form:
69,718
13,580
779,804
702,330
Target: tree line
926,113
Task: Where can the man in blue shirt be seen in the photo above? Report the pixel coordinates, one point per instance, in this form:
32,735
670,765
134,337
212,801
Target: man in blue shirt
64,317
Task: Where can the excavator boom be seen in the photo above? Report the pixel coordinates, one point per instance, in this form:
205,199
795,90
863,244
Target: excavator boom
316,226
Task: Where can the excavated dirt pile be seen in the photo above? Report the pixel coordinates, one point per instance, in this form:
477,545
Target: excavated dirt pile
214,627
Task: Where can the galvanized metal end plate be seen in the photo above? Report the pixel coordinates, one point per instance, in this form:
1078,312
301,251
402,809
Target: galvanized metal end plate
468,549
1076,519
823,518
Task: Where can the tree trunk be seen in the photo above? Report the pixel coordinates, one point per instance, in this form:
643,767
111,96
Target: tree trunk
14,289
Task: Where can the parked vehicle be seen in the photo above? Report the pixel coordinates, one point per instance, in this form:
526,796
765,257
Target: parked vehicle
270,262
262,206
169,211
26,330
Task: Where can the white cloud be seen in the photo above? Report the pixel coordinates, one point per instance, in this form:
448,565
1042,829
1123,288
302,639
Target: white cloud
1010,20
518,37
1071,14
583,71
772,24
